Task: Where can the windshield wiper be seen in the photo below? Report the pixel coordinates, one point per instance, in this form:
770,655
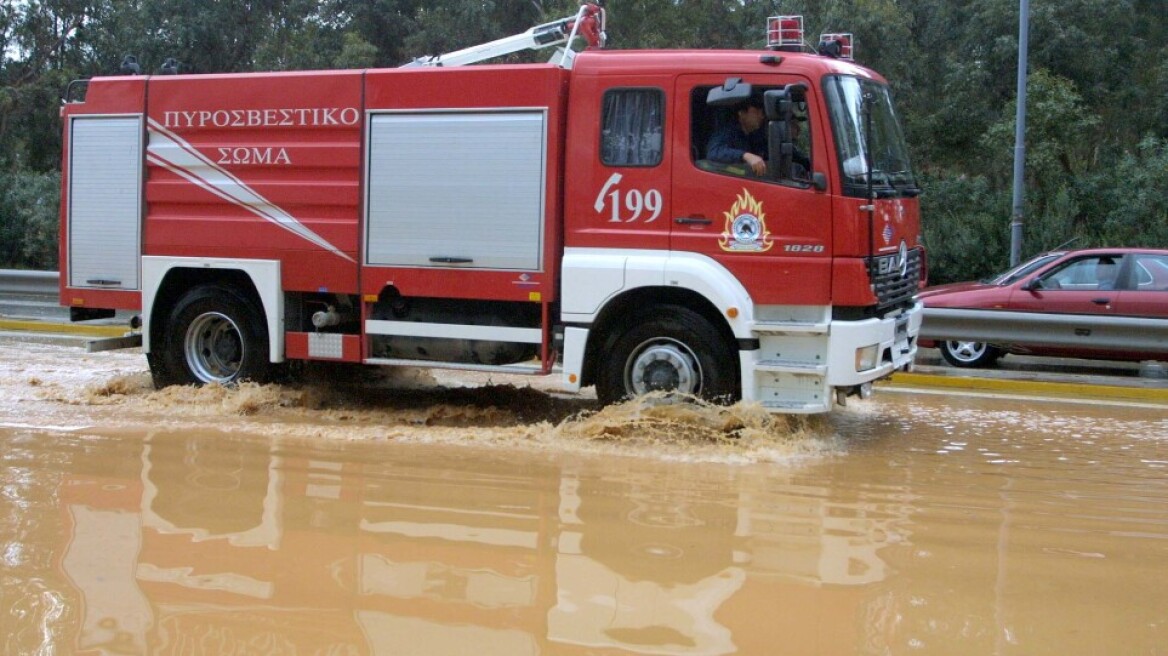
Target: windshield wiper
887,179
905,188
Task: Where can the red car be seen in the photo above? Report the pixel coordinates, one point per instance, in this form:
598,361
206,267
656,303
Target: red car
1109,283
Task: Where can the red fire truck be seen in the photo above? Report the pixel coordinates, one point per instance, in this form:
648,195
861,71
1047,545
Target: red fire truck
525,218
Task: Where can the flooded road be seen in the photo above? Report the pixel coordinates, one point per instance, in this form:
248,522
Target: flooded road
415,516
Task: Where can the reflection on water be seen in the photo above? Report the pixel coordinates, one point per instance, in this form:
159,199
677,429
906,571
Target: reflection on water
214,543
945,526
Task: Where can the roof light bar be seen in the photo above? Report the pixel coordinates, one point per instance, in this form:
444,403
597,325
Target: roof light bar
785,33
836,44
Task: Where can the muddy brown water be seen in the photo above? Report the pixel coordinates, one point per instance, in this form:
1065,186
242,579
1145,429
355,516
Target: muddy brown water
437,513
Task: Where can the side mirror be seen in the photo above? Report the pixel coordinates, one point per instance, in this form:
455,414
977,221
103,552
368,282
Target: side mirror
781,150
779,105
819,181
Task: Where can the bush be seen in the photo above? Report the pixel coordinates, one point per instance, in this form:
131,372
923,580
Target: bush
966,228
29,223
1133,205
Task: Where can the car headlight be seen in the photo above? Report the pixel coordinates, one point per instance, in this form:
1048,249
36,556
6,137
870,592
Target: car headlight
866,357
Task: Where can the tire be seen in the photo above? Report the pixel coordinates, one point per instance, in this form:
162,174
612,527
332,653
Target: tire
213,335
670,348
962,353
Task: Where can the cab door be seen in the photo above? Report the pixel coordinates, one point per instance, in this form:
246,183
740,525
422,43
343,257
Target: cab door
773,234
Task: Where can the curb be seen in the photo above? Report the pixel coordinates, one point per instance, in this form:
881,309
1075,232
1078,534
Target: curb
63,329
1036,387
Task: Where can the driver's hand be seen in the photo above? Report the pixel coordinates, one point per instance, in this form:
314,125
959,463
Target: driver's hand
756,163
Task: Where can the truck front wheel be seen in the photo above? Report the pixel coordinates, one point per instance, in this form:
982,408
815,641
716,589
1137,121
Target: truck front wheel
671,349
213,335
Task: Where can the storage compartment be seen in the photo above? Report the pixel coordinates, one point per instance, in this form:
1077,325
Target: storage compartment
105,202
457,189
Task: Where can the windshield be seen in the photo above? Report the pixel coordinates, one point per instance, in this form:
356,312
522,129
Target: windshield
1022,269
891,172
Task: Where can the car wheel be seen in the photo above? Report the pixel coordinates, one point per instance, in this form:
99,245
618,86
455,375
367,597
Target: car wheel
963,353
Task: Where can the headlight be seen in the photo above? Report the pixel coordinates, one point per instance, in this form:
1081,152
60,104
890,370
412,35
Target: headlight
866,357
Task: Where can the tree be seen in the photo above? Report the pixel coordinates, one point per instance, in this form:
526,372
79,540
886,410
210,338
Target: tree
28,220
37,38
1134,212
1098,112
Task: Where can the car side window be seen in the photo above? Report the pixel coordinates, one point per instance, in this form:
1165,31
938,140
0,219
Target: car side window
1151,273
1099,272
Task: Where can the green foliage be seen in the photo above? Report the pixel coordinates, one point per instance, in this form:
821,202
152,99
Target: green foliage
29,220
963,234
1061,134
448,25
1132,197
1097,128
355,52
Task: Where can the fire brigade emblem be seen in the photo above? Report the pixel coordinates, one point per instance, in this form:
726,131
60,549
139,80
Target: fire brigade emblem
746,229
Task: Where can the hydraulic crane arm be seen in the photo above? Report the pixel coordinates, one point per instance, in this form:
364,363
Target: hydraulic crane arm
587,23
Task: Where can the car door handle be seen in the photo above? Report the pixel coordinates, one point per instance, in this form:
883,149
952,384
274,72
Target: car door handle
692,220
1101,301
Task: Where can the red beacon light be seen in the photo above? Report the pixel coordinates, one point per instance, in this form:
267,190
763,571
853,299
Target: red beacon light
837,45
785,33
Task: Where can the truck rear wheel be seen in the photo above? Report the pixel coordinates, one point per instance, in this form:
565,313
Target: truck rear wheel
671,349
213,335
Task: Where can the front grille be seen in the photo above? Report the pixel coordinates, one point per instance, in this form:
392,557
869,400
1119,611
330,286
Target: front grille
894,290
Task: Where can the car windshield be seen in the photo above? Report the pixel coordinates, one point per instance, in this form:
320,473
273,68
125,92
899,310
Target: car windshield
847,96
1022,269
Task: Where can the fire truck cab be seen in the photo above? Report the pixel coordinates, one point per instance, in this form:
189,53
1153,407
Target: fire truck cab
568,217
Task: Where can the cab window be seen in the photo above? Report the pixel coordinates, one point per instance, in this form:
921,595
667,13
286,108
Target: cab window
728,139
632,127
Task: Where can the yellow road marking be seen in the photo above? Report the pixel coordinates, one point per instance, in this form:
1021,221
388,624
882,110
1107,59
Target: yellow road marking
1036,387
68,329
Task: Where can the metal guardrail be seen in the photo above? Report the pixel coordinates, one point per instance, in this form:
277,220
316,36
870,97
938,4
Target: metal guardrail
41,283
1063,330
991,326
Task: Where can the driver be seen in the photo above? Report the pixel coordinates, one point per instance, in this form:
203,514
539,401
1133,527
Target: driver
1105,275
742,138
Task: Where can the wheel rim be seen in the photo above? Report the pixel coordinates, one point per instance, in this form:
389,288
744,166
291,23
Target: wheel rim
214,348
663,365
967,351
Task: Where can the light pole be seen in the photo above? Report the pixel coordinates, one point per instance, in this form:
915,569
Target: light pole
1020,133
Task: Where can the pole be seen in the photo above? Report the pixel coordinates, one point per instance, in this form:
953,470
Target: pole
1020,133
